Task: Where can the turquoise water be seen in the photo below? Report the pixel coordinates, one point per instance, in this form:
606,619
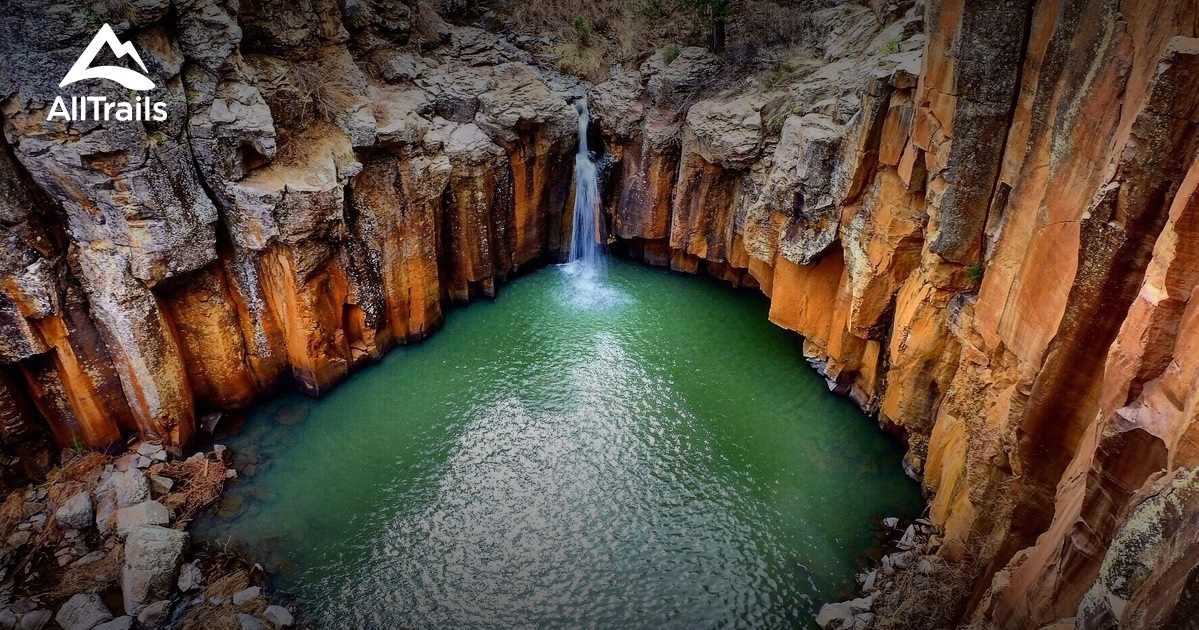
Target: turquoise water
653,454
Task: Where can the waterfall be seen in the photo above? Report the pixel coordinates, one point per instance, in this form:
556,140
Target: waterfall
586,267
587,231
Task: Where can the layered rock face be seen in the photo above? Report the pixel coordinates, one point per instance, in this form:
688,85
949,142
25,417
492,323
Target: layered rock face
293,216
990,249
982,217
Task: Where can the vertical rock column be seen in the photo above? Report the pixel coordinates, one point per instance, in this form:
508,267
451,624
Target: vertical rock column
1146,423
1088,177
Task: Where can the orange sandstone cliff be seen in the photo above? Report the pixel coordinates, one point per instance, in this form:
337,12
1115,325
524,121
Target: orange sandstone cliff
982,217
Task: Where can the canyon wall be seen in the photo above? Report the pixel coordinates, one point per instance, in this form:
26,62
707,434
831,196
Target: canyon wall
982,218
994,252
292,218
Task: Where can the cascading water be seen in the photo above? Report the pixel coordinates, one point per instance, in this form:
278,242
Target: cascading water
587,233
585,267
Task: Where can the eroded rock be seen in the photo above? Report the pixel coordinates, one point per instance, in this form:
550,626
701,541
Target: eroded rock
153,556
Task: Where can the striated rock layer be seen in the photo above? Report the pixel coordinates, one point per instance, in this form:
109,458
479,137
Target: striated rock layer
292,218
982,217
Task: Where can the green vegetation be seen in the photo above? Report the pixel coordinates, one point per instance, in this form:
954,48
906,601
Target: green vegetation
775,124
77,447
975,270
783,71
584,29
889,47
710,15
651,10
670,53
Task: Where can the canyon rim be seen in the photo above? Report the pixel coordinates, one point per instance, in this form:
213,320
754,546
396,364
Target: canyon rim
981,217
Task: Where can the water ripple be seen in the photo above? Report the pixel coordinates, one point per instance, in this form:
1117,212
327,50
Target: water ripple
546,464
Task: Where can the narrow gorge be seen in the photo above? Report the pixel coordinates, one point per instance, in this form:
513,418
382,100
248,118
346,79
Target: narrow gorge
982,219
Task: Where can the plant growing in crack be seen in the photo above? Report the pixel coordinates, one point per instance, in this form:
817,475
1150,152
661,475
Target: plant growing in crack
975,271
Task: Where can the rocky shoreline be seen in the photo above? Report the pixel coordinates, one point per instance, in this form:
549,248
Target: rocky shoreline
907,567
102,545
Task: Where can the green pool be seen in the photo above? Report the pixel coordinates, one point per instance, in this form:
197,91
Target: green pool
651,453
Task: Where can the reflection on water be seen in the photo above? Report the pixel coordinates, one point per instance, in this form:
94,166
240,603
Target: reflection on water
665,461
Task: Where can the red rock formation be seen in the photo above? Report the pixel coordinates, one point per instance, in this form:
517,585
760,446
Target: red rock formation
986,235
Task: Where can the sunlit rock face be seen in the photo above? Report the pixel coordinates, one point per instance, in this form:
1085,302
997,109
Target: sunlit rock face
292,218
984,233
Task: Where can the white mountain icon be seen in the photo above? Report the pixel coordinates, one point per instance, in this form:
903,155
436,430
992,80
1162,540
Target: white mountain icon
126,77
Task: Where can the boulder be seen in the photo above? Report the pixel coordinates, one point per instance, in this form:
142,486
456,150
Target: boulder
152,558
120,623
130,487
841,614
82,612
153,615
796,213
278,616
160,485
144,513
675,81
106,511
35,620
248,622
726,132
616,104
190,578
246,595
76,512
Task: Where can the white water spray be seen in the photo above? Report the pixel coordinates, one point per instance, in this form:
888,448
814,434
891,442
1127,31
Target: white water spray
587,231
586,267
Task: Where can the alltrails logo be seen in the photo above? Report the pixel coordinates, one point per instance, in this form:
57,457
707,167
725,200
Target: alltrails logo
99,107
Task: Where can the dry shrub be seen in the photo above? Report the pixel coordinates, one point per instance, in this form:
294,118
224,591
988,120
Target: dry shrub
602,33
88,578
932,599
294,147
224,587
583,61
198,484
62,483
629,31
227,574
427,25
83,468
767,23
119,9
325,86
12,512
557,16
72,478
289,148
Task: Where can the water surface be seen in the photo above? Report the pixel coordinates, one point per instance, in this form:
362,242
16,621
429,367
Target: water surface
654,455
